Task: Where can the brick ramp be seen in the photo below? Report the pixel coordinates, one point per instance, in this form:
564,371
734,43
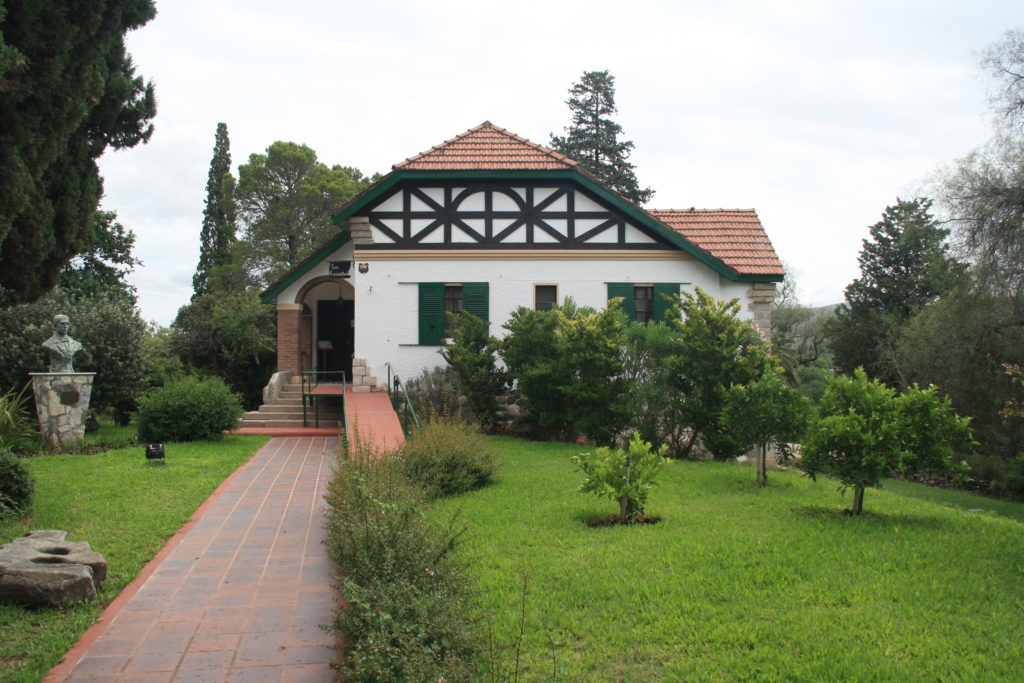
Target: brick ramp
239,593
372,419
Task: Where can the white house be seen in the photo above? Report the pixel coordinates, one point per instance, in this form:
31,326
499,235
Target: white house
487,222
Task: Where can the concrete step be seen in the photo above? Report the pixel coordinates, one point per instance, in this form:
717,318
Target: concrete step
287,423
281,415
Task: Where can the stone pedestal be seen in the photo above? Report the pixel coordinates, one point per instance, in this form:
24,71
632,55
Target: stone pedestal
62,401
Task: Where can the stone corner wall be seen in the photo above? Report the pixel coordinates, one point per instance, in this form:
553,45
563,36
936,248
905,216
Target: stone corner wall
362,380
761,296
359,228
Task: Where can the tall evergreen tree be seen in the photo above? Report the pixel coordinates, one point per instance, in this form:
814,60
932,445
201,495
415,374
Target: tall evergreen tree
593,138
218,216
69,92
904,266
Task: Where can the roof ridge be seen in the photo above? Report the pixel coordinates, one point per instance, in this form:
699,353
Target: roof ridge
553,156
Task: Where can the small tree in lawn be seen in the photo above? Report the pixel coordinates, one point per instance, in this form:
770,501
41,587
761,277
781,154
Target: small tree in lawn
626,476
764,412
864,431
472,355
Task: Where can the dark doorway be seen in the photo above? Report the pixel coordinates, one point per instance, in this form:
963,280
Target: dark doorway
334,324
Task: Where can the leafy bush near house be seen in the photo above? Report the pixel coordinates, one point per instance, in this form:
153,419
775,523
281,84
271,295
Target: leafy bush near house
446,457
626,476
188,409
472,354
17,431
567,363
16,485
407,614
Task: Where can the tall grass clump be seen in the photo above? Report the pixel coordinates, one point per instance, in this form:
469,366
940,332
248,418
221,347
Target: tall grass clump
17,431
189,409
446,456
407,614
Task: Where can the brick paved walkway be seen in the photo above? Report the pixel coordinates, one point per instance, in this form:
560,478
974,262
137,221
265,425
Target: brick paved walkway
243,592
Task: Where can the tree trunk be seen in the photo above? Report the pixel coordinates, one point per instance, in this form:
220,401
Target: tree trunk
762,466
623,509
858,500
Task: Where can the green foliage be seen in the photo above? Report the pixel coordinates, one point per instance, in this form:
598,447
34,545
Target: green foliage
286,200
864,431
656,403
69,92
408,613
472,354
624,475
960,343
593,138
111,332
219,215
162,363
764,412
188,409
17,431
904,266
714,350
101,270
16,485
446,457
232,335
567,363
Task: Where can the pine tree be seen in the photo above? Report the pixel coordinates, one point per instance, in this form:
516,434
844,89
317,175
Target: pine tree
219,215
593,138
69,91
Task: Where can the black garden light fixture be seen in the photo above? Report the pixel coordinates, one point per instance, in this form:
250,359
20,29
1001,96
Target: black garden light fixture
155,452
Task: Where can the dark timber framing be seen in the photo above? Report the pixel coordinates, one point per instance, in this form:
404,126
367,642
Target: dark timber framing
498,226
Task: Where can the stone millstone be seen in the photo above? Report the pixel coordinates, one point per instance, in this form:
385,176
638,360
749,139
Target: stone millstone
41,568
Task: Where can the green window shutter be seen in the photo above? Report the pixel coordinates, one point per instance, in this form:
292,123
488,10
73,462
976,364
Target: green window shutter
431,313
661,305
624,290
475,299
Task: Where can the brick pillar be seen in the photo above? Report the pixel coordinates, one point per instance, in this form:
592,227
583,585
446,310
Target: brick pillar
289,319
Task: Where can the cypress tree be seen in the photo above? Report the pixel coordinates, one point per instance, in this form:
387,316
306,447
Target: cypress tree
593,138
218,216
69,92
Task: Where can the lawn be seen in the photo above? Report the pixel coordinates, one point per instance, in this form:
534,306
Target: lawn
126,509
737,583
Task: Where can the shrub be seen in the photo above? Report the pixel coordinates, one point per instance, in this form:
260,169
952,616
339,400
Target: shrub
16,485
189,409
626,476
472,355
408,613
17,431
438,392
446,457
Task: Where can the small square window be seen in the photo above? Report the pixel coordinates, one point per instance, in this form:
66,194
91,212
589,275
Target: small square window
643,304
544,297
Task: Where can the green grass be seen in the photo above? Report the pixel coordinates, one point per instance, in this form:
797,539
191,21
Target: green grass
737,583
956,499
126,509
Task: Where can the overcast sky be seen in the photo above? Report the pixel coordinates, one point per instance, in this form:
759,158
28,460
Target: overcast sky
818,114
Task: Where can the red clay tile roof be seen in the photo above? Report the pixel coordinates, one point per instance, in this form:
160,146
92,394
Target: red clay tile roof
487,147
734,236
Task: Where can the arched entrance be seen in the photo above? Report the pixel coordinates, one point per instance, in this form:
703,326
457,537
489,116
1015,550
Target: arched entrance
327,334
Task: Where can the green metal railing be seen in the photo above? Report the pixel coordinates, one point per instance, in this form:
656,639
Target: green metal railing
401,402
311,379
